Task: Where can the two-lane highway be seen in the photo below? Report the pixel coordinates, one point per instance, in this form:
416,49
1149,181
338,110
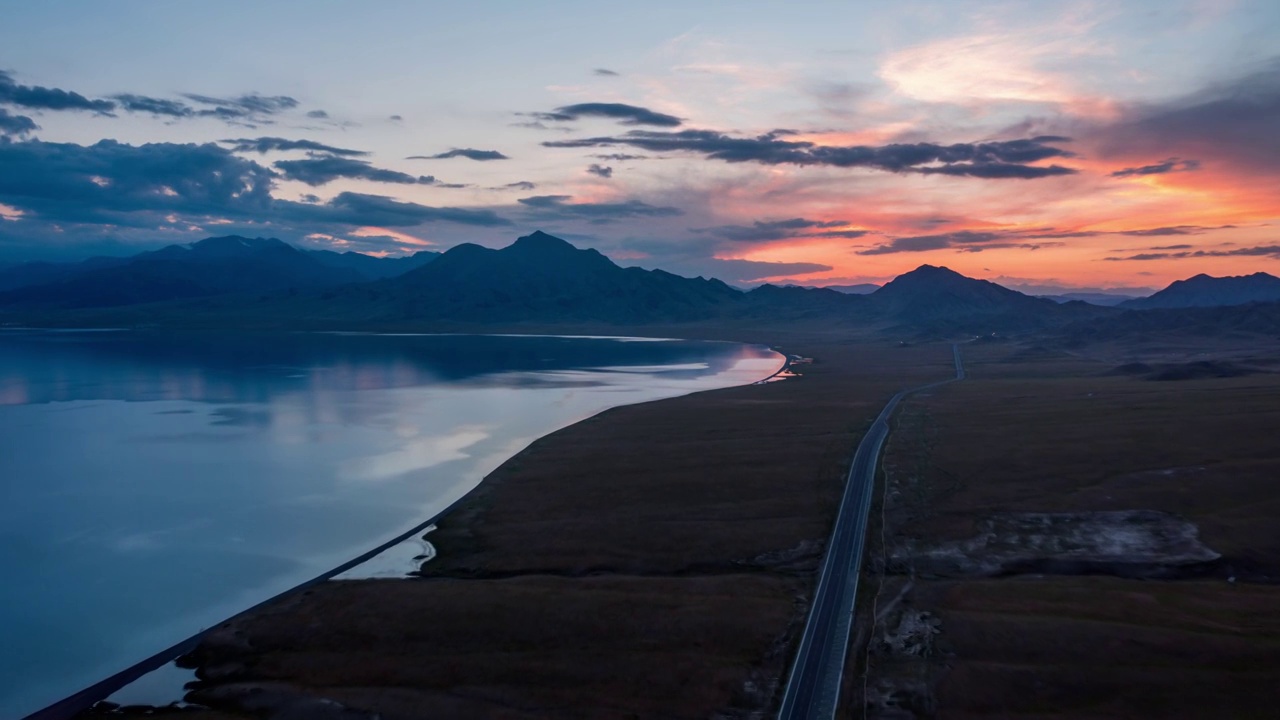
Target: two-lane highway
813,689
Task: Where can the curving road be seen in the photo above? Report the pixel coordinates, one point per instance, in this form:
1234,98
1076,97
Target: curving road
813,690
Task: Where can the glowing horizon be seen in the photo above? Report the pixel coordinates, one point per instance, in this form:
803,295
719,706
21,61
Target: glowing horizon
1073,145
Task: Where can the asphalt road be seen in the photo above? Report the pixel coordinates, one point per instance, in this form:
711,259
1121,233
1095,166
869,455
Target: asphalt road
813,689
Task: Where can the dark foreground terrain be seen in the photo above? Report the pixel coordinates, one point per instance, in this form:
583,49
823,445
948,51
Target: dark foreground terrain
1063,534
1089,534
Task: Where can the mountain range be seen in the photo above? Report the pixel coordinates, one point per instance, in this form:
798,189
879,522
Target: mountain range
1205,291
214,266
538,281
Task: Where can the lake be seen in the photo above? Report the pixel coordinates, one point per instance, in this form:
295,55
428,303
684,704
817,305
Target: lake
154,485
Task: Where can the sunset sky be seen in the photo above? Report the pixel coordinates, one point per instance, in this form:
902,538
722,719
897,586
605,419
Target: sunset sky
1074,144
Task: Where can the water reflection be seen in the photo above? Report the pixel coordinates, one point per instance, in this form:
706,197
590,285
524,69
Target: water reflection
151,485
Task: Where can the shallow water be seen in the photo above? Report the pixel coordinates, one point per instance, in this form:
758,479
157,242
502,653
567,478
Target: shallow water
153,485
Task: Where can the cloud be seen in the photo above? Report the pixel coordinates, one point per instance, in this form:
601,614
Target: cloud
321,169
605,72
625,114
155,106
113,185
264,145
620,157
763,231
558,206
469,153
924,243
1236,121
358,209
1168,166
43,98
1272,251
250,107
997,170
996,159
16,125
961,240
601,170
1174,230
518,185
318,115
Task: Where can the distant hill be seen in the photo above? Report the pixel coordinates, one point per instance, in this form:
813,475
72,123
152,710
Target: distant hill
373,268
859,289
37,272
539,278
1093,298
797,304
1221,321
942,300
1205,291
214,266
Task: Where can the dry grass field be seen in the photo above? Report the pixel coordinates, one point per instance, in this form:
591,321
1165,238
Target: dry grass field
1132,631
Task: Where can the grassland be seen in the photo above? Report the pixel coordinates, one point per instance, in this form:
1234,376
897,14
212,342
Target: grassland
1036,430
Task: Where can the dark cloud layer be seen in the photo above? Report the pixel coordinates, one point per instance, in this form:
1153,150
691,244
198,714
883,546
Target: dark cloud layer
243,109
600,170
1174,230
43,98
16,125
115,185
997,159
962,240
1236,121
517,185
155,106
1168,166
624,114
604,72
321,169
264,145
1272,251
559,206
764,231
468,153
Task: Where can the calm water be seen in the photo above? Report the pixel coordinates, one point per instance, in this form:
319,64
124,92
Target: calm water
151,486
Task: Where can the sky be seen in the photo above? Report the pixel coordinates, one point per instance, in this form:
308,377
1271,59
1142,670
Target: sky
1072,145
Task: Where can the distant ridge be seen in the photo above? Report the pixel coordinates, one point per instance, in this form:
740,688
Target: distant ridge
1206,291
539,281
213,266
542,278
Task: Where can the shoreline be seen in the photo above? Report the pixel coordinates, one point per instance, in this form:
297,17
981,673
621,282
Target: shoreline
732,556
84,699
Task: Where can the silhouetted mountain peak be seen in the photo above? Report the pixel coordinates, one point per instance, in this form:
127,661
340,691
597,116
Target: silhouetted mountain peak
930,274
542,242
236,245
934,280
1208,291
943,298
